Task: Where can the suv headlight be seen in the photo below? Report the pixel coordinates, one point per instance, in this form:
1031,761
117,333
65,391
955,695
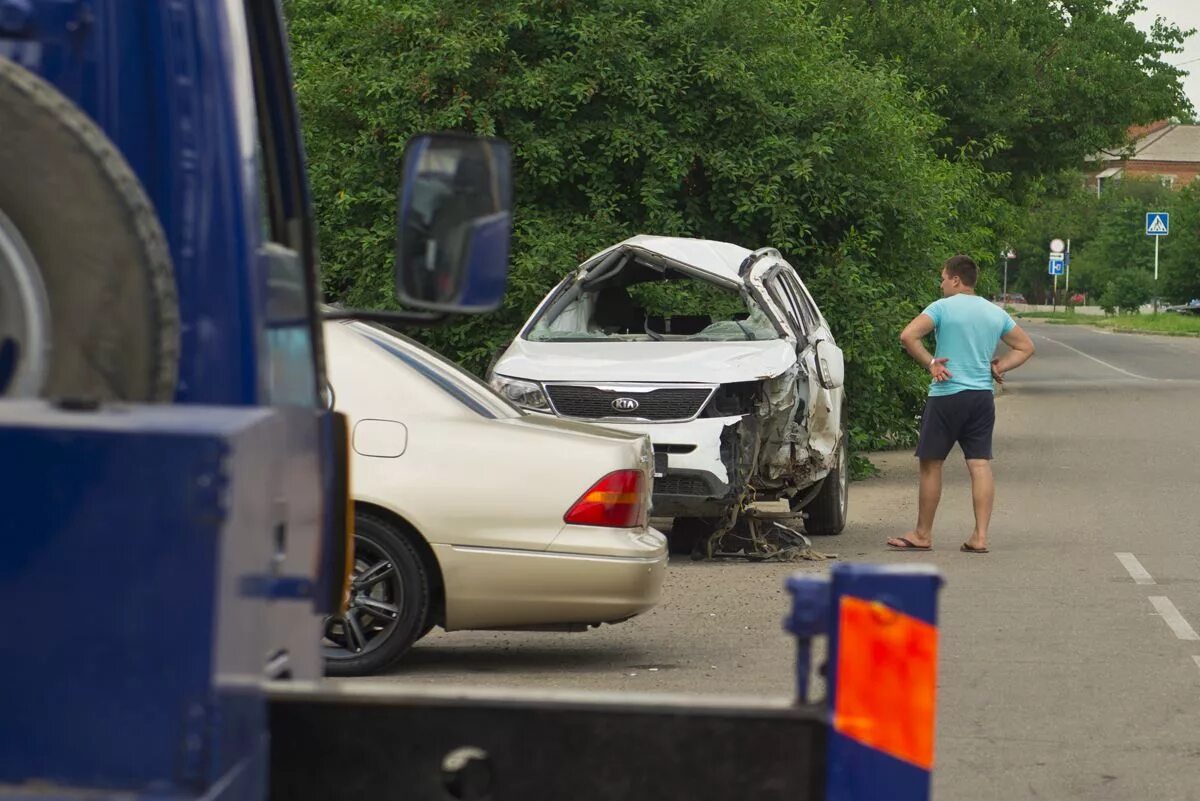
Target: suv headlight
526,394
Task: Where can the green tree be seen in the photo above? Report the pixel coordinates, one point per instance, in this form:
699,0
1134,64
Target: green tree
1107,234
1180,257
740,121
1118,243
1059,209
1038,85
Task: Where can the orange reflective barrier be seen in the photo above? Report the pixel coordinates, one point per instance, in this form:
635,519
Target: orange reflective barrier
886,680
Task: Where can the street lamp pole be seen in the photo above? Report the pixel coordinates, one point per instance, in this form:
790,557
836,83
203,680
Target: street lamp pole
1007,255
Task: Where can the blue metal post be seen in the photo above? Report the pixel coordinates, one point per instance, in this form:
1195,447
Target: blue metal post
881,673
809,619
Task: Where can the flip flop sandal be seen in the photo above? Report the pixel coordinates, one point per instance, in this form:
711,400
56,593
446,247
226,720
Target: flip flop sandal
968,549
908,545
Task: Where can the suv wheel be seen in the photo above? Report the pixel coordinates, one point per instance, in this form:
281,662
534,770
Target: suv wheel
827,511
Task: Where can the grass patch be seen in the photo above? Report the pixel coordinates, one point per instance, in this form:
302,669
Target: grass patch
1163,323
1166,323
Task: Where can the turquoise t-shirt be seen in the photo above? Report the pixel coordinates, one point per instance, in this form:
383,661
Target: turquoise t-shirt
968,330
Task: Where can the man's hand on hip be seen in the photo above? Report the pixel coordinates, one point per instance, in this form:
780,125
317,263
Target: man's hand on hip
937,369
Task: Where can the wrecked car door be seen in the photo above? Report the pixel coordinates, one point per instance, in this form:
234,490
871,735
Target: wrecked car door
819,360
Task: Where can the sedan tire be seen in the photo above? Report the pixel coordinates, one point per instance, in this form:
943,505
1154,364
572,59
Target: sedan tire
388,605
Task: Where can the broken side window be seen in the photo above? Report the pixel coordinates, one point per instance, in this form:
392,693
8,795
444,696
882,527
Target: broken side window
808,308
788,302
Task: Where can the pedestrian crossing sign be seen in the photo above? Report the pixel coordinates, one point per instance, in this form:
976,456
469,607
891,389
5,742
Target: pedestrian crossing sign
1158,223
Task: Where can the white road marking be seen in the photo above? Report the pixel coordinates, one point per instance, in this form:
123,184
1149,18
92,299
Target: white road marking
1197,658
1100,361
1183,630
1136,571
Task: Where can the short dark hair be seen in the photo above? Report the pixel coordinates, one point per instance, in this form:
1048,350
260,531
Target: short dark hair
962,268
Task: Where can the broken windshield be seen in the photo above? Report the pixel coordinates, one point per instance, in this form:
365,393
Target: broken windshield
644,303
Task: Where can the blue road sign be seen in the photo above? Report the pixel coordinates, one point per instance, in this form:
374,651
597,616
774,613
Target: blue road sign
1158,223
1056,264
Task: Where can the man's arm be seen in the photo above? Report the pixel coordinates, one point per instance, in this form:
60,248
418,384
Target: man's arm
1022,350
921,327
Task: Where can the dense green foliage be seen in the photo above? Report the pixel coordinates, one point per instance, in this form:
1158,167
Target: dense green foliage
1043,83
760,122
686,296
1127,292
1109,246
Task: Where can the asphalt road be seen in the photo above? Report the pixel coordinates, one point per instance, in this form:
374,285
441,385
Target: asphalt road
1062,676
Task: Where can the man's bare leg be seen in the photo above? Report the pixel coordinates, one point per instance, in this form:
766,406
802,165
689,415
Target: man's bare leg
983,495
928,498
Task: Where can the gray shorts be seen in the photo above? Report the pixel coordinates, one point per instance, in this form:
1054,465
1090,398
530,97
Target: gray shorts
966,418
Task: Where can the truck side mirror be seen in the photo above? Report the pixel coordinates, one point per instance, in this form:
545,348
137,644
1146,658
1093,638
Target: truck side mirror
454,223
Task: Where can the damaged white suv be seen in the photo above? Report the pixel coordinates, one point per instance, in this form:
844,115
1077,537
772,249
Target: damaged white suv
719,354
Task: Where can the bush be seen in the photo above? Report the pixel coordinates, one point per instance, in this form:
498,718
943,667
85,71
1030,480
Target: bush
1127,292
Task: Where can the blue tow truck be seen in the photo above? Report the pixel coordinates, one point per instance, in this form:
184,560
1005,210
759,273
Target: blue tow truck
177,530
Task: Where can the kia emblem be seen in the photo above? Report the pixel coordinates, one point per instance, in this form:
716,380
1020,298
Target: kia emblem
625,405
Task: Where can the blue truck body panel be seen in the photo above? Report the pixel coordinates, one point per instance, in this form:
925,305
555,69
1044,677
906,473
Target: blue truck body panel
138,657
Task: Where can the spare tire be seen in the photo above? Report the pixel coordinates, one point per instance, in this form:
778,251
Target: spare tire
88,304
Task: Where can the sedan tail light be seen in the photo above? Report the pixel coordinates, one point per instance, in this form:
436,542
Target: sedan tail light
617,501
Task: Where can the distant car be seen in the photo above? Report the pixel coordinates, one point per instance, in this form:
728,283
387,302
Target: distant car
717,352
1191,307
1012,297
471,514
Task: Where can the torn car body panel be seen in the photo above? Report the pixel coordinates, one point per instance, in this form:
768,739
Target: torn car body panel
823,420
707,347
814,435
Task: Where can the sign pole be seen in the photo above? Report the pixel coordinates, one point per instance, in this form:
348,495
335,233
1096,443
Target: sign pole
1068,290
1156,273
1158,224
1057,263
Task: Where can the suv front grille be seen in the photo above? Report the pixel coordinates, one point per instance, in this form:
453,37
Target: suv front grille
591,403
681,485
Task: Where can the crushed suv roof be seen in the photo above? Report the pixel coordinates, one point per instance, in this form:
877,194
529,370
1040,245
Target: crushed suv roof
717,258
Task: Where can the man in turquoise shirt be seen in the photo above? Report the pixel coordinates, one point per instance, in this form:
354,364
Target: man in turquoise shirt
960,408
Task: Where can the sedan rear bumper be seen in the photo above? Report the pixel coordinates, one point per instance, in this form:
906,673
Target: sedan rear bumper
495,588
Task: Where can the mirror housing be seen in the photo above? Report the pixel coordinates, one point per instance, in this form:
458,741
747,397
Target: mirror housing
454,223
831,365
